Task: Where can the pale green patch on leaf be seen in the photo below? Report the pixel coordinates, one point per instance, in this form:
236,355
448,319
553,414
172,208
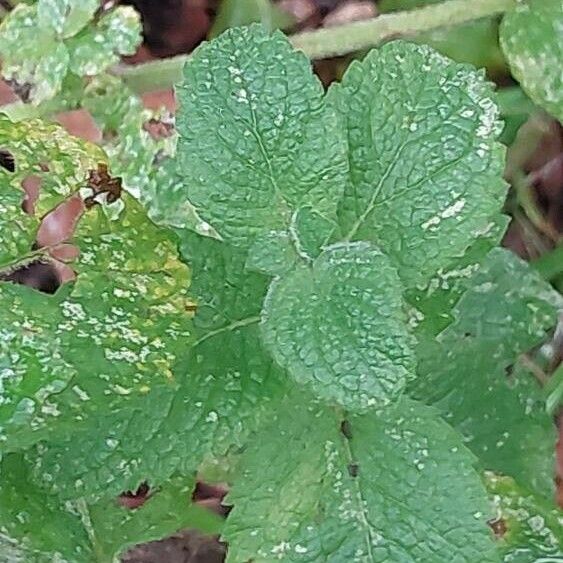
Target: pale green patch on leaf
256,139
31,55
338,326
531,37
223,386
383,492
468,372
144,162
425,169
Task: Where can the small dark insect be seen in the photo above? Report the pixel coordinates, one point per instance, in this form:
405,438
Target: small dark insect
191,307
346,429
353,469
100,182
7,160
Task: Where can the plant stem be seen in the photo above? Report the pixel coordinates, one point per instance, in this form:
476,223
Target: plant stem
359,35
550,264
323,43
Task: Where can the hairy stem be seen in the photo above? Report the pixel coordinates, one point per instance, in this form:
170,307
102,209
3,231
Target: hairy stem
339,40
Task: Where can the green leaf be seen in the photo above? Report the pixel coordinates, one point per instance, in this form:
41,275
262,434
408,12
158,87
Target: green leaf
532,41
31,55
468,372
166,511
425,170
41,528
528,528
104,344
66,17
57,160
433,304
305,492
222,387
226,386
311,232
235,13
475,42
256,139
339,326
224,290
96,48
272,254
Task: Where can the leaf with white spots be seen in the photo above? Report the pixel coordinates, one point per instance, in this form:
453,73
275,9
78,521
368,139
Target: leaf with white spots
222,388
425,169
31,54
66,17
531,37
43,46
54,160
98,47
338,326
256,138
376,488
225,388
527,528
104,343
468,371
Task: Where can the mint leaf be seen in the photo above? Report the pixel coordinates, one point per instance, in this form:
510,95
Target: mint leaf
167,510
32,521
272,254
256,139
38,526
51,44
104,343
311,232
532,41
339,327
222,387
96,48
305,492
467,373
226,387
66,17
527,528
425,170
434,303
31,54
225,292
